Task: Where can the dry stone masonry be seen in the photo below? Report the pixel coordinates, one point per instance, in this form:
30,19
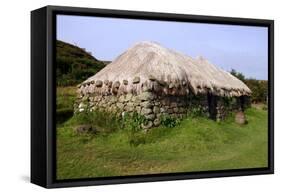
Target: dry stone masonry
155,81
119,99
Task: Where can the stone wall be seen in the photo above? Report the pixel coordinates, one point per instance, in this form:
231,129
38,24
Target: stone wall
226,105
153,106
146,103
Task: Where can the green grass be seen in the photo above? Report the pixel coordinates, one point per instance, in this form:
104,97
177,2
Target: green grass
64,102
196,144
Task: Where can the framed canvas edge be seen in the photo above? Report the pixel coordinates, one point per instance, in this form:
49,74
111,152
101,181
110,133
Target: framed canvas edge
50,124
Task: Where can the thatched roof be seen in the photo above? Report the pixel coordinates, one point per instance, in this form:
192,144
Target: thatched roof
149,65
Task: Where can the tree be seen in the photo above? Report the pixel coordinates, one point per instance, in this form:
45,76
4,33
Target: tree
258,87
237,74
259,90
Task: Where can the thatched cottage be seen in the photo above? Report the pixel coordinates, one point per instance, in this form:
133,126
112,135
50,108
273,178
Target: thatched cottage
153,81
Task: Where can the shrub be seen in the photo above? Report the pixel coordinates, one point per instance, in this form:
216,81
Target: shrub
196,111
169,121
259,88
133,121
132,124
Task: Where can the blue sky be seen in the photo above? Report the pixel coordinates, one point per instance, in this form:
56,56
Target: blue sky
242,48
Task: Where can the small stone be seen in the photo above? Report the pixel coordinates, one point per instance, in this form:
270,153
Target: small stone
170,111
174,105
151,78
156,109
84,129
146,104
157,122
150,117
116,84
171,85
130,104
146,111
82,105
136,80
120,105
146,96
129,107
94,108
138,109
148,125
162,82
125,82
98,83
135,99
176,110
97,98
85,98
129,97
136,103
113,99
122,98
165,101
162,110
157,103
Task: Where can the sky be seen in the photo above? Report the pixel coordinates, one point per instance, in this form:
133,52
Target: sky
243,48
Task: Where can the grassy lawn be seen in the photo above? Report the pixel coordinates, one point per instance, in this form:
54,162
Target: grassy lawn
196,144
64,102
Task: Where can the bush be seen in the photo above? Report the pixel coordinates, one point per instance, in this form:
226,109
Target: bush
132,124
259,88
197,111
169,121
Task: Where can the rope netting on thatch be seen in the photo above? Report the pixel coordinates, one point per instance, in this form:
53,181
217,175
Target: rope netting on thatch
149,66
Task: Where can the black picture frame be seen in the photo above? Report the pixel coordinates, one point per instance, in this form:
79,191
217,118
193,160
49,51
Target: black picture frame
43,95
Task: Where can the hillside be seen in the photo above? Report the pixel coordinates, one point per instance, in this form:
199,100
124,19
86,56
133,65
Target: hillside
74,64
